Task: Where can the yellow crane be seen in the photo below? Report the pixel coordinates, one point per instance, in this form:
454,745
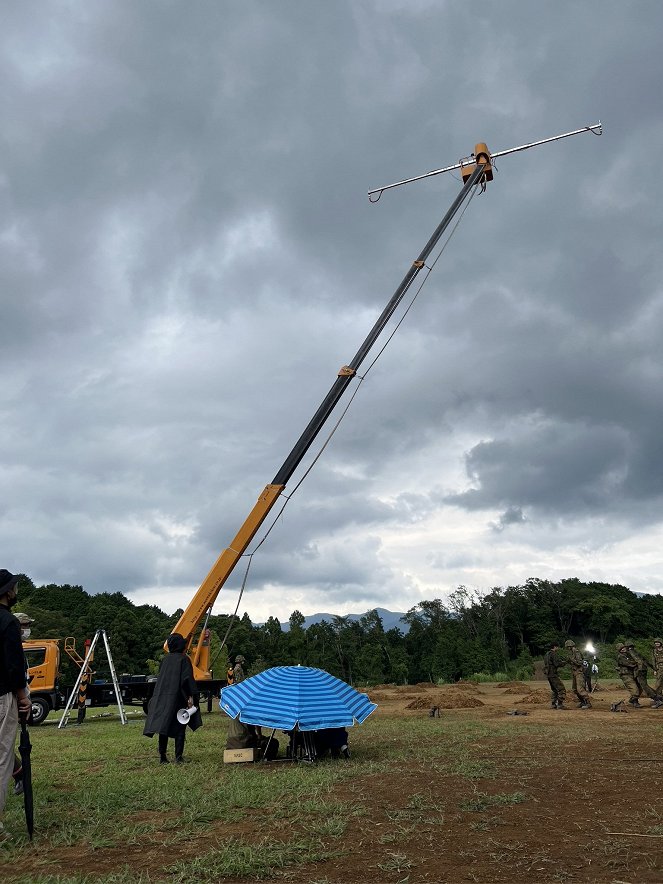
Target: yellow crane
477,169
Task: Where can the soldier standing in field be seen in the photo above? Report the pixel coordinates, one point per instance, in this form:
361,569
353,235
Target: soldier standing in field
552,662
578,675
238,670
626,667
641,675
657,656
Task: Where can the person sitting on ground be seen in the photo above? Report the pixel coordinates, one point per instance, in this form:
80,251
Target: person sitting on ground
175,689
250,736
295,743
332,741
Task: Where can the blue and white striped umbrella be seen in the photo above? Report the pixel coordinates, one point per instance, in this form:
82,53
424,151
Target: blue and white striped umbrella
287,696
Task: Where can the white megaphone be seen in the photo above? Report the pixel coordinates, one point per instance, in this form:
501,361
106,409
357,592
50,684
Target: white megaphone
184,716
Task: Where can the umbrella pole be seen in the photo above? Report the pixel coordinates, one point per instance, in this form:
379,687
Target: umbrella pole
264,752
309,754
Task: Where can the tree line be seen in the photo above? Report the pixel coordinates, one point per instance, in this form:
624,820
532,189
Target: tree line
503,631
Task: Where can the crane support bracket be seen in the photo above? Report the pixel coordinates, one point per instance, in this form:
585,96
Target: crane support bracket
481,155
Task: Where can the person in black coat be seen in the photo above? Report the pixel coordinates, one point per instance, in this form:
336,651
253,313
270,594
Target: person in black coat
175,689
14,694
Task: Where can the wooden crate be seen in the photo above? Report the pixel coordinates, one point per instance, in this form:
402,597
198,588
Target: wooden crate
235,756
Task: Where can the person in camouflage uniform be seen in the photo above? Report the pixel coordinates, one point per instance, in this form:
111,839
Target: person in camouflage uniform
641,674
657,657
552,662
238,669
626,666
578,674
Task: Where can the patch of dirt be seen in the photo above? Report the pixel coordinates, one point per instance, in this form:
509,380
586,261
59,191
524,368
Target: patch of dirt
534,697
564,802
471,687
421,703
514,684
445,700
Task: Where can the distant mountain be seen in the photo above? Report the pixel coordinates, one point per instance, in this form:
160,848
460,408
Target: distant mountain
390,619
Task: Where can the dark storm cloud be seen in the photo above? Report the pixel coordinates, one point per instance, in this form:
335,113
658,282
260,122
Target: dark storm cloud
187,256
565,468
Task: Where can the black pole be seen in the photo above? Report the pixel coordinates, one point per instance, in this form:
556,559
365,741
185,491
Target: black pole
331,399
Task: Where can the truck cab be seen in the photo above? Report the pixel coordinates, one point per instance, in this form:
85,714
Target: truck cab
43,660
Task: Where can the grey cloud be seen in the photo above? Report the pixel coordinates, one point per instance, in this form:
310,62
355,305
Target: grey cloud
558,468
511,516
188,256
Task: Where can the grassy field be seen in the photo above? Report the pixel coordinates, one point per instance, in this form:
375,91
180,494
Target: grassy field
476,795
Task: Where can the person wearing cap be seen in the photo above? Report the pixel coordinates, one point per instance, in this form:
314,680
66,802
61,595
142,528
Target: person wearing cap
577,674
25,621
657,658
14,694
552,663
640,674
626,667
238,669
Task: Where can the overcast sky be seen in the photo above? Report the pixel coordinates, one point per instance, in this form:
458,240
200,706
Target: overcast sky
188,255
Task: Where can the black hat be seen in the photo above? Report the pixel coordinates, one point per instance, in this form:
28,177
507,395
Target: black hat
176,643
7,581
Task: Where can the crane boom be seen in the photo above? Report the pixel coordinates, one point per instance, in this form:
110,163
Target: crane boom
209,589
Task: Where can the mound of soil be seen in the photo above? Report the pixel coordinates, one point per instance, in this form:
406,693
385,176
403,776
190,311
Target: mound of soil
515,690
421,703
377,696
514,684
427,685
471,687
446,700
384,687
535,697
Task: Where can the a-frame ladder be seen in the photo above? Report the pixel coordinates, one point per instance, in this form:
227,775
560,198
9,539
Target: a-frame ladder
85,672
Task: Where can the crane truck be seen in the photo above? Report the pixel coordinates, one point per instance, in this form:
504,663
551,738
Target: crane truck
49,693
476,170
192,625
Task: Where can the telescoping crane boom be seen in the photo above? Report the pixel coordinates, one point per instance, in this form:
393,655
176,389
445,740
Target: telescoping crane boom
477,169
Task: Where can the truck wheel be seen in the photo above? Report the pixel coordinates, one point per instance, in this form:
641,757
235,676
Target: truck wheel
40,710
